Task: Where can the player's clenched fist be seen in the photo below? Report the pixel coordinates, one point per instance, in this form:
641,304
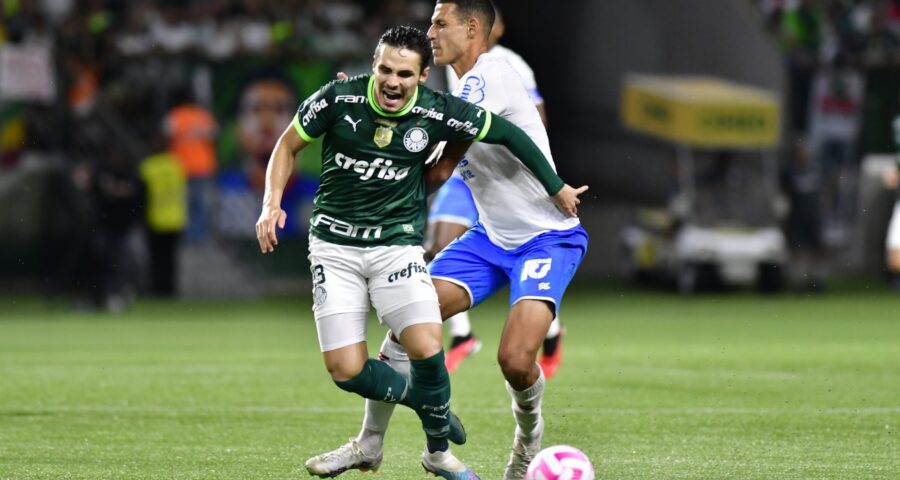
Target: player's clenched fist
265,227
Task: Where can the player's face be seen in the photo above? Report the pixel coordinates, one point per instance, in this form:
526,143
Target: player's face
397,73
448,34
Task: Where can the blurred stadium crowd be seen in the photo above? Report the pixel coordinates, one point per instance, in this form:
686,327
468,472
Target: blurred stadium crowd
91,91
831,49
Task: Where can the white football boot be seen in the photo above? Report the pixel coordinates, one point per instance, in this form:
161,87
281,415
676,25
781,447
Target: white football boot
445,465
348,456
523,452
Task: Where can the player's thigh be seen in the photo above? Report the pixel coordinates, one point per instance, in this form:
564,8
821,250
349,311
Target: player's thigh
525,328
544,269
340,296
440,234
454,298
472,264
400,288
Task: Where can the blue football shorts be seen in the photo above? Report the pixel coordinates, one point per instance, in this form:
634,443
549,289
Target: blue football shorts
540,269
453,203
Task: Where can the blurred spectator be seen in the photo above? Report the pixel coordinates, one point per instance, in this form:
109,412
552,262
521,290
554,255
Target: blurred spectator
801,35
835,118
118,197
881,45
191,130
166,216
802,182
892,242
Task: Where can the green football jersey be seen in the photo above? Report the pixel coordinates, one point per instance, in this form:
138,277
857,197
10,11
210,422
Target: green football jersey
372,187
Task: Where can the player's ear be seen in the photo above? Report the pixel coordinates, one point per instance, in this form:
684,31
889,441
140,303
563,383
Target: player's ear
472,27
424,76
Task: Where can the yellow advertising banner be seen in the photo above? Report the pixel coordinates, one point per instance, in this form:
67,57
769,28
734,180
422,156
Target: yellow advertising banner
701,111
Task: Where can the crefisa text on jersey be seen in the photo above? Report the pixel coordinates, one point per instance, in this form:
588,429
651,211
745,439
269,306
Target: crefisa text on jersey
430,113
368,169
314,109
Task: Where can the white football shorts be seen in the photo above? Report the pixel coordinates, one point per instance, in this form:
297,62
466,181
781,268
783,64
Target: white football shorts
346,280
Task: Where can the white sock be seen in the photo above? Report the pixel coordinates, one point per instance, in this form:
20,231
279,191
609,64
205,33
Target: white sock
459,325
553,331
526,406
378,414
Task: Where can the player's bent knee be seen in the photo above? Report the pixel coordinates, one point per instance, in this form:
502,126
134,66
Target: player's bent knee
343,370
517,366
346,362
418,327
422,340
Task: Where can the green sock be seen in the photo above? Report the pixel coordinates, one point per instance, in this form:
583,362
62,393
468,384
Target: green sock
429,396
377,381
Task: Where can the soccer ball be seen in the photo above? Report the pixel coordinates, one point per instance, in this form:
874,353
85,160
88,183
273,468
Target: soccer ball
561,462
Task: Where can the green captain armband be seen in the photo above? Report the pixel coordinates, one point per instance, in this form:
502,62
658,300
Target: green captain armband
299,128
501,132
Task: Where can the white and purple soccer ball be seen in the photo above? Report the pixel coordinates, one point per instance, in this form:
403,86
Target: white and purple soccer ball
561,462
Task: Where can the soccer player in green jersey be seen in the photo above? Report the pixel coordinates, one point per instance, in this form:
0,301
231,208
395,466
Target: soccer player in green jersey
367,227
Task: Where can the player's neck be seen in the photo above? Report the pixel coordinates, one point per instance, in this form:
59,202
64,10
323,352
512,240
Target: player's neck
468,60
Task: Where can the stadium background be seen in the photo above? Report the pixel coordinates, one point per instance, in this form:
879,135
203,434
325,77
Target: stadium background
654,385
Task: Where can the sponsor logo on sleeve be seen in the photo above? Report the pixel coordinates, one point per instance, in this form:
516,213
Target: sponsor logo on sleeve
313,109
466,126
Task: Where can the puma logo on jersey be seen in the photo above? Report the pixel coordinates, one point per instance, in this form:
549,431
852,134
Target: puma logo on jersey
351,122
378,168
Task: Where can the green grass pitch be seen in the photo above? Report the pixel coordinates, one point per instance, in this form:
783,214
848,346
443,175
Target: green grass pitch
653,386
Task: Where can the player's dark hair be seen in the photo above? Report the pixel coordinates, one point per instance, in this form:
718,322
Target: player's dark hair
410,38
483,9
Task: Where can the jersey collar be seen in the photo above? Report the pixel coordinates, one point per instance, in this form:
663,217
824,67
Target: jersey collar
373,102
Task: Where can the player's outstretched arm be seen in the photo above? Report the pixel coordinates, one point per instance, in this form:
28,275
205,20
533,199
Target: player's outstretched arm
448,156
281,165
